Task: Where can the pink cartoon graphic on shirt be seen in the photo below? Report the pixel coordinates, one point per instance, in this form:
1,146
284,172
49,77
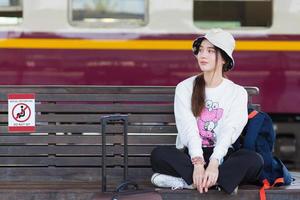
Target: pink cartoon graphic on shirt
208,121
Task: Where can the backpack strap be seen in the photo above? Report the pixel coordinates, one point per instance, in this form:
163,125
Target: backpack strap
252,114
254,124
278,180
262,192
266,186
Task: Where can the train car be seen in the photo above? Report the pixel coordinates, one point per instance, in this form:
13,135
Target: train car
148,42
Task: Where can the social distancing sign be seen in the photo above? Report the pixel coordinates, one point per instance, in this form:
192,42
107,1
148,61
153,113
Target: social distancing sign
21,112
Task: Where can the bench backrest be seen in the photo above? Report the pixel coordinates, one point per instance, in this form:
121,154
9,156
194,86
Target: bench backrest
66,146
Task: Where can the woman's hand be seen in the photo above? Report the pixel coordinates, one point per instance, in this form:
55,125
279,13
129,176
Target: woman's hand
198,176
211,174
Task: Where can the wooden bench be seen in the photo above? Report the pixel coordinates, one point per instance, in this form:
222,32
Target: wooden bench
64,154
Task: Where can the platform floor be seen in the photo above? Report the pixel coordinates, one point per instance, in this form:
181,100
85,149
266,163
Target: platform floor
82,191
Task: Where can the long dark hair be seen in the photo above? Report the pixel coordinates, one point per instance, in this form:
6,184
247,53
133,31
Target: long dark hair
198,96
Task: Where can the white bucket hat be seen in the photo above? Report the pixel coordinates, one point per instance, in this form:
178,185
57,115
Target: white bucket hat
219,38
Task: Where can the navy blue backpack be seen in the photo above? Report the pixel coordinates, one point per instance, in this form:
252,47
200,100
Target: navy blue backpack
259,135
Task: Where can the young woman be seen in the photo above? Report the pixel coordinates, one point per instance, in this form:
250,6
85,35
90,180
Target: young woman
210,113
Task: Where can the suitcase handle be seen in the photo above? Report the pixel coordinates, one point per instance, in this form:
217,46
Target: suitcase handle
104,121
125,185
114,118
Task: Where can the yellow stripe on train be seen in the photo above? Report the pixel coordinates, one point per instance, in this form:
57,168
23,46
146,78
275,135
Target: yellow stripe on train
256,45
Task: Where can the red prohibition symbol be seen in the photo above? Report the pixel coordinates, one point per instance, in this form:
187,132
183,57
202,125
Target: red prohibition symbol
21,116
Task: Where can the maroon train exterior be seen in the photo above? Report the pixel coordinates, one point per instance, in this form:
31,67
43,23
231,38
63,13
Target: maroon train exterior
275,73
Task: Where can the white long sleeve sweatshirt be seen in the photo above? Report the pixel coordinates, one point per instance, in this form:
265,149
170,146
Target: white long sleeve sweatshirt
220,123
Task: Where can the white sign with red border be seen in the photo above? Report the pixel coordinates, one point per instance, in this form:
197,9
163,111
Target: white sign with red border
21,113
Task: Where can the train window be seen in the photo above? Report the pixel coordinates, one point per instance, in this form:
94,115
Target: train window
232,14
11,12
108,13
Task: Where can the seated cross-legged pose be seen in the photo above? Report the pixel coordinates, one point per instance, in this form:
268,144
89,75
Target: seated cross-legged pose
210,113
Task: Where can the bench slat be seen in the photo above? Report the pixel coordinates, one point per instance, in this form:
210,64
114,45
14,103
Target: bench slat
74,150
84,139
63,89
88,128
65,174
106,97
99,108
95,118
39,161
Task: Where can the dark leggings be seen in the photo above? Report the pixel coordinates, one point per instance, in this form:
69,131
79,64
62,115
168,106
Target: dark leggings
239,167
